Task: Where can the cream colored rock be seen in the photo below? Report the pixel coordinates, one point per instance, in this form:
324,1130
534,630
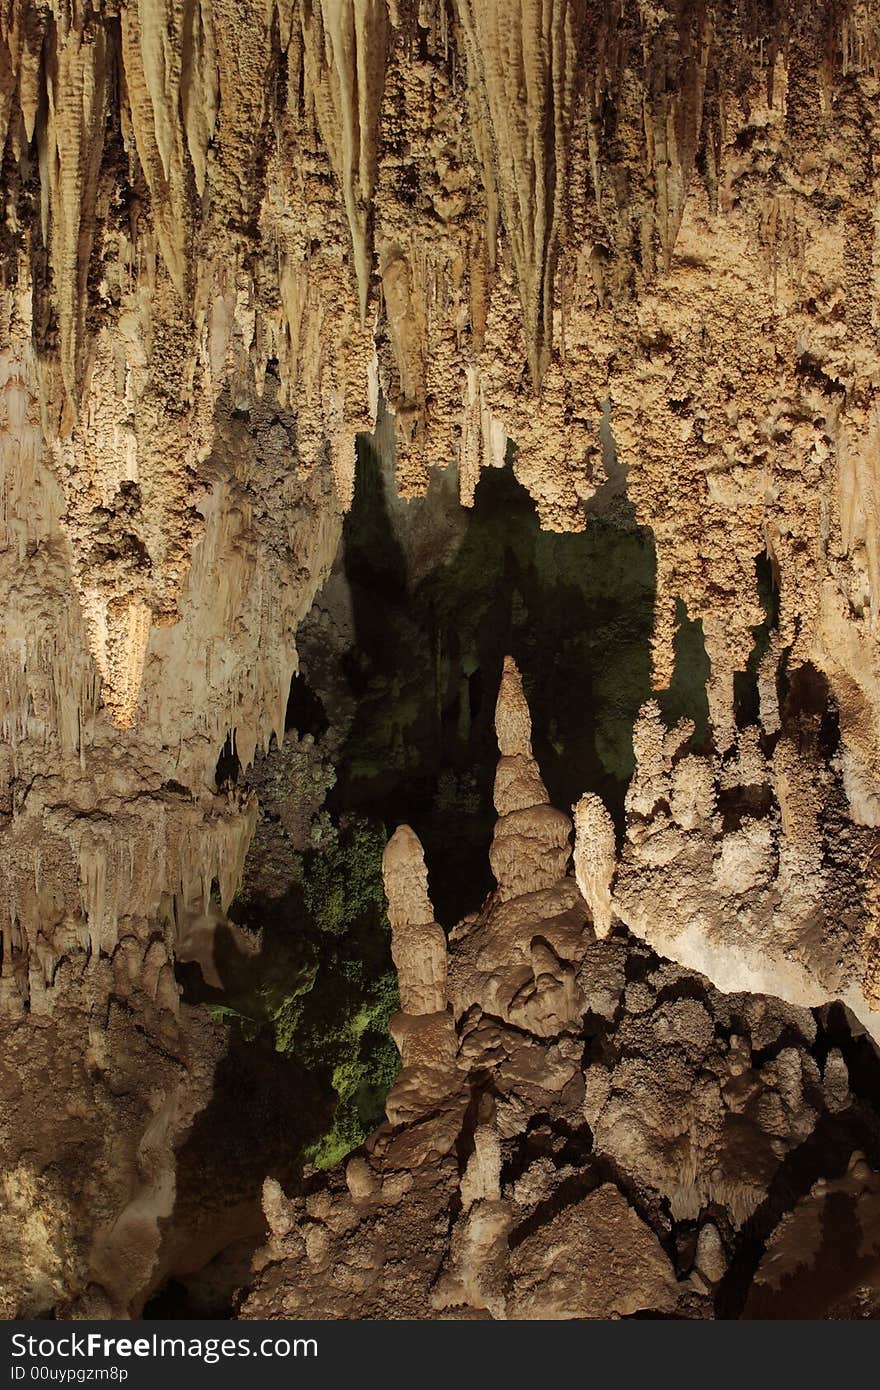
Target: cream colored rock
418,942
481,1180
276,1208
406,880
527,61
710,1261
476,1270
360,1179
518,784
530,850
762,880
513,722
835,1081
424,1030
594,859
228,229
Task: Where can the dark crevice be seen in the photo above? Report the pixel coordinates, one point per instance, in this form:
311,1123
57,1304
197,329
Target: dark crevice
686,697
858,1051
825,1154
228,767
810,713
568,1193
558,1142
305,710
737,804
686,986
745,683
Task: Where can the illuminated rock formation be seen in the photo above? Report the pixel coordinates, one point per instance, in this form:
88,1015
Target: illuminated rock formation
594,859
228,232
530,848
617,1162
418,944
757,904
502,965
423,1030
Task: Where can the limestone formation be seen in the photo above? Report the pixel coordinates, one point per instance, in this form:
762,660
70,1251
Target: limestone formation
803,923
530,849
618,1160
418,944
423,1030
630,250
594,859
501,964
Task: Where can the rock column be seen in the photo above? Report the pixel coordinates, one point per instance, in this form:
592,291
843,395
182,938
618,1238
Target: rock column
423,1029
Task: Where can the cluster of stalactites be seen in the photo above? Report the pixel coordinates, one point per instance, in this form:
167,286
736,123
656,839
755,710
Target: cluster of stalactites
216,270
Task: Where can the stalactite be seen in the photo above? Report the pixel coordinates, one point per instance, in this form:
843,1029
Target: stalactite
528,62
344,51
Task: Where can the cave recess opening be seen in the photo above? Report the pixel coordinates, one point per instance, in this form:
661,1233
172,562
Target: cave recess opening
390,719
408,637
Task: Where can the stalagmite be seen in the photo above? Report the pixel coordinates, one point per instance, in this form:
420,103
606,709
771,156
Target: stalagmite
502,965
594,859
424,1030
418,943
530,847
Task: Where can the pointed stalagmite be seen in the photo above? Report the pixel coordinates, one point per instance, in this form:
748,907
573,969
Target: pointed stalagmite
530,848
418,944
502,963
513,722
423,1030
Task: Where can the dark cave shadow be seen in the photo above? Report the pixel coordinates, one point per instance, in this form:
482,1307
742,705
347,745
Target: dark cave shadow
575,610
816,1286
263,1103
824,1154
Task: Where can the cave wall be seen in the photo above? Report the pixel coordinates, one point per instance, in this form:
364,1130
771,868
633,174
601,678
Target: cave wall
226,230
